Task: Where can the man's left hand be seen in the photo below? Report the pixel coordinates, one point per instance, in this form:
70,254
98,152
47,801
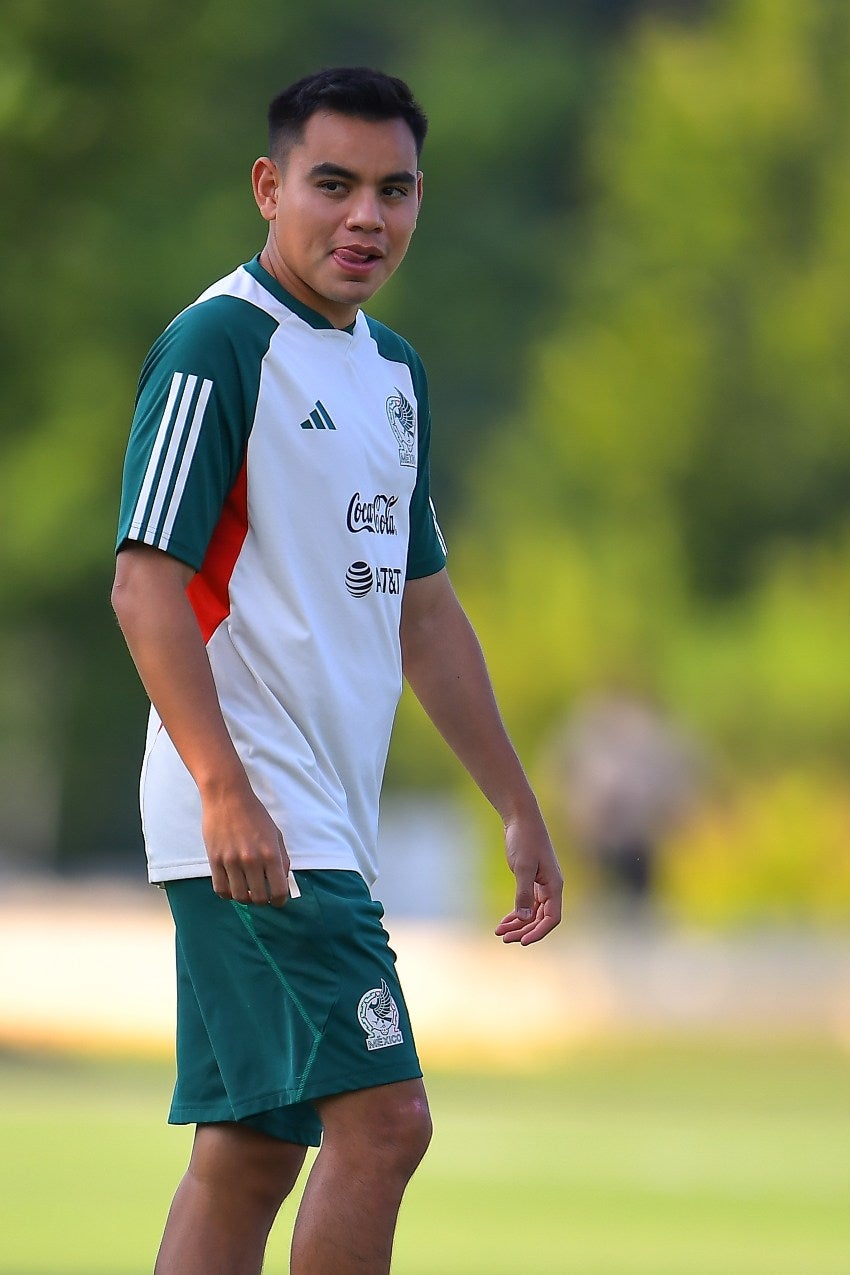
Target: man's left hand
539,883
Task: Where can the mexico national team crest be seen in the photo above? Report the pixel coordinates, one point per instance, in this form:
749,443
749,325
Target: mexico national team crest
402,419
378,1015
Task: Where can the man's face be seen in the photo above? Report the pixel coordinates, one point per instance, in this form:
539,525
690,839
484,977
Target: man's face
341,210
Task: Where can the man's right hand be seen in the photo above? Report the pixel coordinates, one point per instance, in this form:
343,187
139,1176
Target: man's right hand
245,848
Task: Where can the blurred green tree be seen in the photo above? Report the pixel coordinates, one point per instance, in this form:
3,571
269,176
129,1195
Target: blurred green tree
666,513
683,430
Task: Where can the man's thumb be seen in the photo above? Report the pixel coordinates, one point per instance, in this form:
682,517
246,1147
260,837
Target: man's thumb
524,900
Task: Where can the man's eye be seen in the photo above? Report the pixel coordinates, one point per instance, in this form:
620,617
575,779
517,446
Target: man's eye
396,192
332,187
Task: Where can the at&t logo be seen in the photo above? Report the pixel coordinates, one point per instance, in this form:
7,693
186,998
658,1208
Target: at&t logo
360,579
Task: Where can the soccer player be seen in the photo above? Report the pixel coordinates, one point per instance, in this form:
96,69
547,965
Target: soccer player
279,566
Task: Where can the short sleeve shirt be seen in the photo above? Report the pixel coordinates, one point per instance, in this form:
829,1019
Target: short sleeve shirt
286,461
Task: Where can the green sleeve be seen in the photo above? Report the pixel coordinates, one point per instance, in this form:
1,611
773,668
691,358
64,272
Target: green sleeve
194,410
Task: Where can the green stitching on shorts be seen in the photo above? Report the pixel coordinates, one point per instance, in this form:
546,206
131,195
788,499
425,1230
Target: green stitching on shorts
243,911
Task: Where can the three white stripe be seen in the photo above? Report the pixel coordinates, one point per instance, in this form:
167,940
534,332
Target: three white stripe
157,531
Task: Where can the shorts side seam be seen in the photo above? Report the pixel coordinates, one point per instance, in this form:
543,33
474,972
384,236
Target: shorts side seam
244,914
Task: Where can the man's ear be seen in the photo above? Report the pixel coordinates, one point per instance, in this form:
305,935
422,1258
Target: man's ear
265,179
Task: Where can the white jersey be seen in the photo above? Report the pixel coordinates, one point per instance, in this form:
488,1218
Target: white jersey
286,461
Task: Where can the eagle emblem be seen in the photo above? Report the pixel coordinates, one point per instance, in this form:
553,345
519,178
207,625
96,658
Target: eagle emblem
402,418
377,1013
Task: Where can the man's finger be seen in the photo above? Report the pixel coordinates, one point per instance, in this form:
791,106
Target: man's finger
539,931
277,884
509,923
219,882
524,902
239,883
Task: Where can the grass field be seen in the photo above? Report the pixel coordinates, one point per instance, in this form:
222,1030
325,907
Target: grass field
710,1160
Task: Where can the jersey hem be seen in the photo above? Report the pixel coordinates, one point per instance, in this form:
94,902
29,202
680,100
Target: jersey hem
196,868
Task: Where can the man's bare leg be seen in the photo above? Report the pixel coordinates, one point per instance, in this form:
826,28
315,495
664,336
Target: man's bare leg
373,1140
224,1208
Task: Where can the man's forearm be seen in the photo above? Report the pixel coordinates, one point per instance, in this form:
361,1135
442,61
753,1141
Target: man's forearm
445,666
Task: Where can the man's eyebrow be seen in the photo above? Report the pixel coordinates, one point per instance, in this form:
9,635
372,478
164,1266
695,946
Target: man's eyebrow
329,169
404,178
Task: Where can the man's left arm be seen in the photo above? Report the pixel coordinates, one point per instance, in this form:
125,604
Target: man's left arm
445,667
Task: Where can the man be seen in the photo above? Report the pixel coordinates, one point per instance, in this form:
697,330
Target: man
279,564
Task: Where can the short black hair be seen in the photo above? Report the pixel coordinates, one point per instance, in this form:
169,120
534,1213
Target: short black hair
349,90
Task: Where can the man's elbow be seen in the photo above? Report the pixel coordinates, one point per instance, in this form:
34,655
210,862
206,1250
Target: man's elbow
122,595
415,635
134,579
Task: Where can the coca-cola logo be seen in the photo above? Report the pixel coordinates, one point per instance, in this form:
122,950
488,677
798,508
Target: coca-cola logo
375,515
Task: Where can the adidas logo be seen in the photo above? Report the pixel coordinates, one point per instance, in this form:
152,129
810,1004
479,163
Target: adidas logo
319,418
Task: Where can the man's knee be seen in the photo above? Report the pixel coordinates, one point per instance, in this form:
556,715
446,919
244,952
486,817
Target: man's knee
406,1129
389,1126
245,1162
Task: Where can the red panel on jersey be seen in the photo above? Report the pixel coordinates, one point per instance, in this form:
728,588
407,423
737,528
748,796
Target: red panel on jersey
209,590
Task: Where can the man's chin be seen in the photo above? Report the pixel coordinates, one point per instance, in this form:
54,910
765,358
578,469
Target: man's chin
344,288
355,291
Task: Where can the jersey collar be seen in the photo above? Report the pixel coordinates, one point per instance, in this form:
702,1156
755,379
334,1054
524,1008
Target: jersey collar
292,303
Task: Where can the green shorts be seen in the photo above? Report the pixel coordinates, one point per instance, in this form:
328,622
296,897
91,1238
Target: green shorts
280,1006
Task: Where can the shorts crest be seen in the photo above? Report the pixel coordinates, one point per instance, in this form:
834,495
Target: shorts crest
378,1016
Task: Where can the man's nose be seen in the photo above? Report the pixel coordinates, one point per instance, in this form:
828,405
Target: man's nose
366,213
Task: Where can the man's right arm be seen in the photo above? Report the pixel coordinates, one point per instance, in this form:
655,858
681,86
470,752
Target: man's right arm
245,848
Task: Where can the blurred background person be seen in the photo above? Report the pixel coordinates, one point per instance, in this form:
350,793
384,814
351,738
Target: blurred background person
629,778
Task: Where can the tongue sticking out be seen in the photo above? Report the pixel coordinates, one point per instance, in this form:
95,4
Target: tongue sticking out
352,256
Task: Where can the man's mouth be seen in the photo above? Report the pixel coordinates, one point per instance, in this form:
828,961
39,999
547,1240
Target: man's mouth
356,258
